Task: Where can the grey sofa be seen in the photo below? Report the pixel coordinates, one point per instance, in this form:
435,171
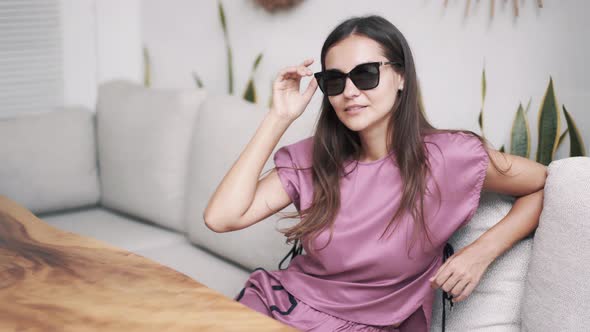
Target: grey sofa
138,171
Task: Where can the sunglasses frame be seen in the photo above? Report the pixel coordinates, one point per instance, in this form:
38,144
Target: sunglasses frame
320,75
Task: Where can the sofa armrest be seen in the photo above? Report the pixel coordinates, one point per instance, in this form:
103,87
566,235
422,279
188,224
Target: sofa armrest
556,294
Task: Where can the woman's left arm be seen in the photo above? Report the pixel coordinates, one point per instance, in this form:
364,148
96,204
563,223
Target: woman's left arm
525,180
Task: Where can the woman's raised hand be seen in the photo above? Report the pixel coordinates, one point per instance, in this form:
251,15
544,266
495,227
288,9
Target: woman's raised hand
287,101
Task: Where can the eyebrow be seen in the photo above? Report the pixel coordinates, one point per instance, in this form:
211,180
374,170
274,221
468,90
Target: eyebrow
362,63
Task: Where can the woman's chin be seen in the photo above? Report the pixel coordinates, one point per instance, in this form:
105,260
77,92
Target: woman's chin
354,126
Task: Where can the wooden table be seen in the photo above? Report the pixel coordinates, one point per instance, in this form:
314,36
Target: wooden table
52,280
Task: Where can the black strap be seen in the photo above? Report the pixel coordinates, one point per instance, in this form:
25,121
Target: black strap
447,252
296,250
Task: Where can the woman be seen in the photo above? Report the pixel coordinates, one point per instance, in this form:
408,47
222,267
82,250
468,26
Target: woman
379,191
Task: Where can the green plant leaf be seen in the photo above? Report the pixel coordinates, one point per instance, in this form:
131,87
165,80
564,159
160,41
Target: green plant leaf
502,149
549,124
250,93
270,98
528,105
576,142
230,67
197,80
562,137
480,121
256,62
147,79
483,98
222,18
230,71
483,86
520,138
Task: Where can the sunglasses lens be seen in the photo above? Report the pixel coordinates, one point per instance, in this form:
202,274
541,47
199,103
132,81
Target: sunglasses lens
333,83
334,86
365,76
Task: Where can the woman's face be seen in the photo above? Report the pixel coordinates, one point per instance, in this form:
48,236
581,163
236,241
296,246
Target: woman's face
363,110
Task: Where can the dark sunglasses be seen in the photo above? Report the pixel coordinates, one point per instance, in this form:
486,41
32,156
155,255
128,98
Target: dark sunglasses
364,76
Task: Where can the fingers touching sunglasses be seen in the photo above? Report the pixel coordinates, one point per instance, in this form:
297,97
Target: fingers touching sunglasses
364,76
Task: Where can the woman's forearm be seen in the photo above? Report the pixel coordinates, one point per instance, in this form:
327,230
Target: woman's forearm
520,221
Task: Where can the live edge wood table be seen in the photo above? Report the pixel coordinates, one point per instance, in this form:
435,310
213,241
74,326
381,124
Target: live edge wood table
51,280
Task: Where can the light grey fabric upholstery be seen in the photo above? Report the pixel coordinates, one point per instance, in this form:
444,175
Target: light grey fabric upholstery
208,269
495,304
557,293
49,159
166,247
118,230
225,126
144,136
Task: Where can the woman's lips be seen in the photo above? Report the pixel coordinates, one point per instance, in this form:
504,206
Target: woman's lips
354,109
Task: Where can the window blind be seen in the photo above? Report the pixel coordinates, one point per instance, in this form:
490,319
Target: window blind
31,75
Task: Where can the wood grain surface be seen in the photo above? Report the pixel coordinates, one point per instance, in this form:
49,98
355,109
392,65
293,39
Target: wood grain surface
51,280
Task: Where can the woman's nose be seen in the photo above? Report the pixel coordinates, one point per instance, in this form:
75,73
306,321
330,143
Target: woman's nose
350,90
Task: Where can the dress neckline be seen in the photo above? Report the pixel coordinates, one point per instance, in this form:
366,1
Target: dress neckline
374,161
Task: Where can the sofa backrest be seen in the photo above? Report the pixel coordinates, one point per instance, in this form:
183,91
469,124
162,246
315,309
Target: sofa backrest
224,127
49,159
144,135
496,302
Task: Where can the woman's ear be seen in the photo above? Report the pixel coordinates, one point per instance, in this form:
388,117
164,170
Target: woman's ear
401,83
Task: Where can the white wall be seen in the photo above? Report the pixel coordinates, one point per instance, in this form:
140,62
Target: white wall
118,36
101,41
79,52
450,49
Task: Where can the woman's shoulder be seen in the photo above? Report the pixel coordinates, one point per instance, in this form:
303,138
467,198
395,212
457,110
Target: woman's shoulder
453,144
300,147
300,152
302,144
449,137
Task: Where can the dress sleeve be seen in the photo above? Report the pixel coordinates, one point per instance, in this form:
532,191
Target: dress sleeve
285,165
468,163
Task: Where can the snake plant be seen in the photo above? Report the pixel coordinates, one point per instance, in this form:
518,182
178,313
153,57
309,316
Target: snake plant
549,125
250,91
147,77
230,67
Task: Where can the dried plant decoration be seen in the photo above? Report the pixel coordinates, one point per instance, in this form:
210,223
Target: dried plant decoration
276,5
515,6
493,7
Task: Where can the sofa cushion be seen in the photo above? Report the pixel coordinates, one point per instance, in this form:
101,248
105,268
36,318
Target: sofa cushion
496,302
49,159
199,264
166,247
557,294
113,228
226,125
143,143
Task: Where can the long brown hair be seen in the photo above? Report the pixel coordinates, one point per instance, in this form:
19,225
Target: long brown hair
334,143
